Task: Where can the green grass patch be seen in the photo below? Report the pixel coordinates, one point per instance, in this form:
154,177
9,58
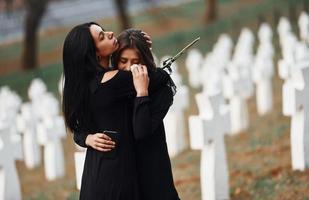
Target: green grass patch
20,81
264,188
40,196
73,196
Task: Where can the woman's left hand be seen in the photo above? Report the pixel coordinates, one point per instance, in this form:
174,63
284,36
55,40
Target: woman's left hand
148,39
140,79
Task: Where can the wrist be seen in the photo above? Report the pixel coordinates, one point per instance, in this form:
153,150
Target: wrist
142,93
88,138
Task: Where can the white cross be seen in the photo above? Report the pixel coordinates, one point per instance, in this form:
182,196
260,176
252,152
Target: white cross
207,134
213,153
26,126
9,181
265,33
303,23
300,118
263,71
174,120
51,130
284,26
196,122
238,86
194,63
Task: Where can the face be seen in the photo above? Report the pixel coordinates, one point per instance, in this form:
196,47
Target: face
127,58
105,41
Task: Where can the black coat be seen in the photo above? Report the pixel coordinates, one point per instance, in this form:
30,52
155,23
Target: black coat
153,162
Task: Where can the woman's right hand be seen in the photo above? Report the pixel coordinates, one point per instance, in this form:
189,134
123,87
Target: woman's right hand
140,79
100,142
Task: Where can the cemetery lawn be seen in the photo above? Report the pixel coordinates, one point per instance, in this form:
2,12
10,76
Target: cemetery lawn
259,159
259,164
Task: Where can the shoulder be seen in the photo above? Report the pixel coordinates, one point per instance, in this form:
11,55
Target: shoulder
116,74
163,97
109,75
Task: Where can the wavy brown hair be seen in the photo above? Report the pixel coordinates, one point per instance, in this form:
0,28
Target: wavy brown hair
134,39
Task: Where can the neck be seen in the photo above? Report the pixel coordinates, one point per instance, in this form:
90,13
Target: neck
105,62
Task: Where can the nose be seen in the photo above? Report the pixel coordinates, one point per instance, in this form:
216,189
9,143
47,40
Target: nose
128,66
110,35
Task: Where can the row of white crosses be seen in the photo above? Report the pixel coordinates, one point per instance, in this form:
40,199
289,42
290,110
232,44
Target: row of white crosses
231,77
293,68
39,123
10,145
47,130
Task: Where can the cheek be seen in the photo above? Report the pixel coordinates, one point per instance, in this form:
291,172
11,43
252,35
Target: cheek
100,49
105,49
121,66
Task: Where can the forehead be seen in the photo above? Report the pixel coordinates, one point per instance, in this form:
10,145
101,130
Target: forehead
129,53
95,29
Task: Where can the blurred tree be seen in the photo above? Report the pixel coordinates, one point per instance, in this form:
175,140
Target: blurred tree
292,11
306,5
122,13
276,15
8,6
211,10
35,10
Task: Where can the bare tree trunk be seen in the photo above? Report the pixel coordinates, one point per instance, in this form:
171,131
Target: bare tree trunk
122,13
261,19
8,6
306,5
276,16
211,10
292,11
34,12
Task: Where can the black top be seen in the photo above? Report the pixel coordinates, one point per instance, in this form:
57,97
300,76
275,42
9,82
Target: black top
153,162
111,106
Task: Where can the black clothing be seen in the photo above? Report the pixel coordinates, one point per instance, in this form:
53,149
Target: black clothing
111,106
153,162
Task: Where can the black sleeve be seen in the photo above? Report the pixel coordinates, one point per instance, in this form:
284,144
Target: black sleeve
123,84
148,114
80,138
158,80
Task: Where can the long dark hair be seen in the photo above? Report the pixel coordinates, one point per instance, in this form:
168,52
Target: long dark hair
134,39
80,66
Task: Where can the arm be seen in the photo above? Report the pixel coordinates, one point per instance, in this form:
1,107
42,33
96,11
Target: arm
98,141
148,114
123,84
80,139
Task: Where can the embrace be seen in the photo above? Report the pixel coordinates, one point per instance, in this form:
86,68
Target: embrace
114,102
